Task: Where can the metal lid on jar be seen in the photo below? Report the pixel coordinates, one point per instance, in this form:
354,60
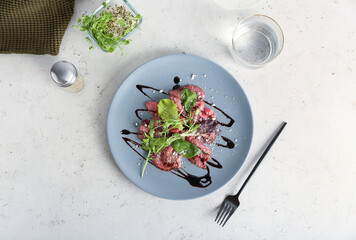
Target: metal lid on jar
64,73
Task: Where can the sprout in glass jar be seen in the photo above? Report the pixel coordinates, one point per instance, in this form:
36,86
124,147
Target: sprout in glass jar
110,27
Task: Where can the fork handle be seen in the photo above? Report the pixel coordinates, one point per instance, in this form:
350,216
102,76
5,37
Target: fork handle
262,157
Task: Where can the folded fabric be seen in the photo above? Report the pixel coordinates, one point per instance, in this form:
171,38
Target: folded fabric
33,26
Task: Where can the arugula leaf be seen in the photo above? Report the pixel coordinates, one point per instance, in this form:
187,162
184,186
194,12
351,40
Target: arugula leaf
153,145
151,124
167,110
185,148
146,144
189,99
157,144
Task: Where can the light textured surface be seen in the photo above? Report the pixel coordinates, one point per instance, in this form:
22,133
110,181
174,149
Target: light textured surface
57,177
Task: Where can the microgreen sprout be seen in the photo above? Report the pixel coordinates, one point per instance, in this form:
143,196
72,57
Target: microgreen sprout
109,27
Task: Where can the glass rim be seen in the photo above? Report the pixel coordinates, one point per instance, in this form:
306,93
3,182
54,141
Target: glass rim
235,50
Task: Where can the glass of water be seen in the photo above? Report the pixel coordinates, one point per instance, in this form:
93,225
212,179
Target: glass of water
256,41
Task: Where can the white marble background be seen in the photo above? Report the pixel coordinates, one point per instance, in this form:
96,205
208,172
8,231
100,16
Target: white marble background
59,181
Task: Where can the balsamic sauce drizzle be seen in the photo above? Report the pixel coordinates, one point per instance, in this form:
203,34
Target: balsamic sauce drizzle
232,121
141,87
229,143
175,87
216,163
177,80
195,181
127,132
140,110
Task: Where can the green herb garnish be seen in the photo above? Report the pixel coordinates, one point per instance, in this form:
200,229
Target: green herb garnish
170,119
185,148
189,99
109,28
168,112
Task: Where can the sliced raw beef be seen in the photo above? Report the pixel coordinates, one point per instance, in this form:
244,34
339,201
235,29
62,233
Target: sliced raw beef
167,159
200,92
199,106
143,129
206,114
208,130
156,124
200,159
152,107
178,102
176,95
209,126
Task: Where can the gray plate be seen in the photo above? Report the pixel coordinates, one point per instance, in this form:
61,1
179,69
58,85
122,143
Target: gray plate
221,88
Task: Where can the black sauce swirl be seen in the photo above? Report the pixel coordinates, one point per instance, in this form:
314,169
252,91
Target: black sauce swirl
229,143
140,110
215,163
141,87
232,121
127,132
177,86
177,80
195,181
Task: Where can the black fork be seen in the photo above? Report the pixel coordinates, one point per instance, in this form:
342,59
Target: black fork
231,202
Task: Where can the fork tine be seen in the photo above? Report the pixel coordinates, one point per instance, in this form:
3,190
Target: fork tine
230,214
221,211
227,210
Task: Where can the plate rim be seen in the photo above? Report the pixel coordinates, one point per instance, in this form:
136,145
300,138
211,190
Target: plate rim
124,83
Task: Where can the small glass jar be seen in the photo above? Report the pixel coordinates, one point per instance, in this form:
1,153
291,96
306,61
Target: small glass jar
128,7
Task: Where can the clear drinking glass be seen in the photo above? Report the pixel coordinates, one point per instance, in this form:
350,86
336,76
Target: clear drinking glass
256,41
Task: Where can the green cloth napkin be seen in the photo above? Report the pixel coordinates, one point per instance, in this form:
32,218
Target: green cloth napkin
33,26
